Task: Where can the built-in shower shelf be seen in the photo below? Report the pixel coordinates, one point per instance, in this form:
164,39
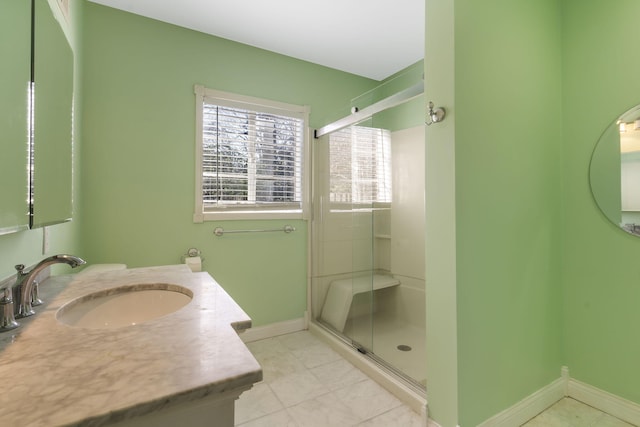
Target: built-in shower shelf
340,296
382,236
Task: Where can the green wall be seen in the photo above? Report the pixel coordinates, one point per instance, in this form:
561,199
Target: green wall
506,124
138,167
531,275
508,205
601,273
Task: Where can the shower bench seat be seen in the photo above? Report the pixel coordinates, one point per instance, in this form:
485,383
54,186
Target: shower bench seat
341,292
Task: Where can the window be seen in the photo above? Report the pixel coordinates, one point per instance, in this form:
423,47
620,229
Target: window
251,157
360,166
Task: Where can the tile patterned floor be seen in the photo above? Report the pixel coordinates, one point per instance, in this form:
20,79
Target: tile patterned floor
571,413
307,384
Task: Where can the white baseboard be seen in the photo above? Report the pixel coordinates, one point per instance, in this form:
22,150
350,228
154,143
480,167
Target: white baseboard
606,402
565,386
273,330
528,407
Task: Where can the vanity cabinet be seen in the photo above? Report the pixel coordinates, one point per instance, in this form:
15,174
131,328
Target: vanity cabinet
186,368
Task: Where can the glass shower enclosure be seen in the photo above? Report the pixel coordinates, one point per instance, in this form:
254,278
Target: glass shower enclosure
367,263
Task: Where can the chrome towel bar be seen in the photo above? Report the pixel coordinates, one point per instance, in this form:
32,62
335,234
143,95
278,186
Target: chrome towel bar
219,231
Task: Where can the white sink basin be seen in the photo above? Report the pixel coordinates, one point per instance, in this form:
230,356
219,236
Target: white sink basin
124,306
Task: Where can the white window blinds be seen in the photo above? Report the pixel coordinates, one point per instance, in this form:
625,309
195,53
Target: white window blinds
252,156
360,165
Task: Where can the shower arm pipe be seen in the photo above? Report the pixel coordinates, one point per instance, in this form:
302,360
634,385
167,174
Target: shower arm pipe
389,102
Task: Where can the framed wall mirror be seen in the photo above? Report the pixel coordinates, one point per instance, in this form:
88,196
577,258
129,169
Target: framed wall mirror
614,172
15,78
51,187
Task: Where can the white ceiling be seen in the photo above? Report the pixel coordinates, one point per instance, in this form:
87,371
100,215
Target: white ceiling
370,38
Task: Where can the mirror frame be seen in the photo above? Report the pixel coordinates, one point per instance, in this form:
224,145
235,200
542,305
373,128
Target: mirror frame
606,173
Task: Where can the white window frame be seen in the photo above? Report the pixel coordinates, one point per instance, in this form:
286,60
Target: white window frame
203,94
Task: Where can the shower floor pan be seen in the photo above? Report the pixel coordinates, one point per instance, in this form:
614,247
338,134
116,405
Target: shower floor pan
391,340
407,390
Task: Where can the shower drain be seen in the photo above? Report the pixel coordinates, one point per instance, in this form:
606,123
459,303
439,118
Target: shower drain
403,347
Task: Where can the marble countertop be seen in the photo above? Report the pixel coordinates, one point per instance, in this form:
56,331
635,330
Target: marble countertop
53,374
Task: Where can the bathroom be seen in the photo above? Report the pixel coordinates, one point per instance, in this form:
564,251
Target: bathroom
525,275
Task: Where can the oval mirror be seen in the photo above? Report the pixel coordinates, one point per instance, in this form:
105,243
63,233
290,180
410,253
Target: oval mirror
614,173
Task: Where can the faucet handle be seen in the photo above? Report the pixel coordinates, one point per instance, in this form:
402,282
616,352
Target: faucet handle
7,319
19,268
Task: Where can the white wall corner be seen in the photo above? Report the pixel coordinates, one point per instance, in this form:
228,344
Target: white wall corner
616,406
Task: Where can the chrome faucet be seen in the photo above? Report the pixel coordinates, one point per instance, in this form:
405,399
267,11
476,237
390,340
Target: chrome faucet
23,286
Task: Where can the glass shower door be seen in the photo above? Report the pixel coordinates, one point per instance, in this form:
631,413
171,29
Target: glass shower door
359,326
360,163
367,267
